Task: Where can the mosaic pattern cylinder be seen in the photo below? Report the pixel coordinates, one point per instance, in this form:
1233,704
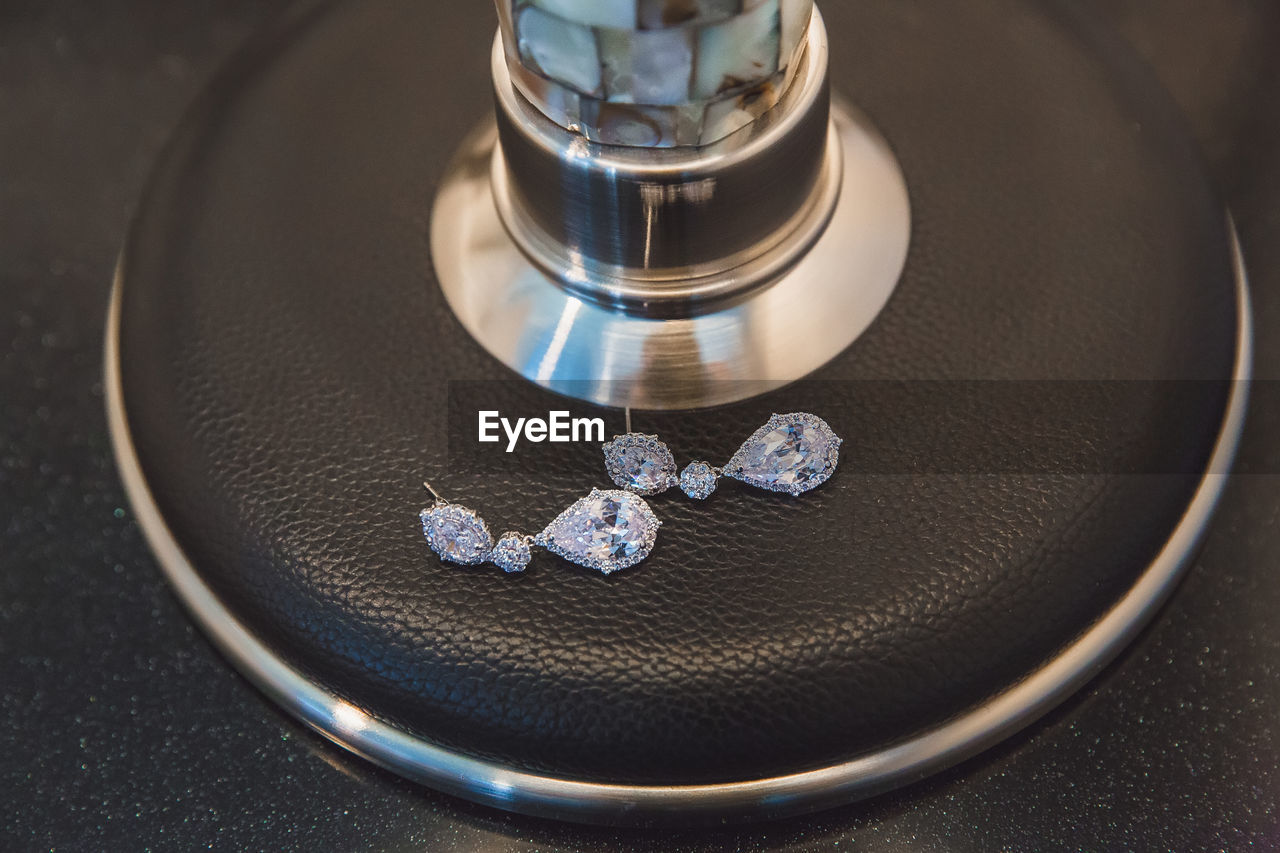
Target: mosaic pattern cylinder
654,73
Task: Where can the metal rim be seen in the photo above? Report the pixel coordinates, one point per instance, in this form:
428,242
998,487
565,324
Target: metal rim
548,796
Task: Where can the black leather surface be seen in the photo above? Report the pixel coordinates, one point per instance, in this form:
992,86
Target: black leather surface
286,351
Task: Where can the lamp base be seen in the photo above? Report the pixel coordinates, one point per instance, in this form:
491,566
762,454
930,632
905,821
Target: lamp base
281,354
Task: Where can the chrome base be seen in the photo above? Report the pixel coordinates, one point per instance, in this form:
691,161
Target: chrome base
790,252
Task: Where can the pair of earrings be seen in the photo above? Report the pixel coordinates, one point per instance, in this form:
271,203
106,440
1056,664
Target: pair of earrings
613,529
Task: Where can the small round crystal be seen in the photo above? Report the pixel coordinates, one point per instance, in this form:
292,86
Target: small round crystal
512,553
698,480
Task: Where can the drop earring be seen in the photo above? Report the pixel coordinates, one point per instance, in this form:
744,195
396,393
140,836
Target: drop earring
608,530
791,453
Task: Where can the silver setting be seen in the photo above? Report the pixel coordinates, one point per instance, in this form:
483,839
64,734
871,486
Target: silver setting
631,448
512,789
562,536
512,552
735,467
435,519
698,480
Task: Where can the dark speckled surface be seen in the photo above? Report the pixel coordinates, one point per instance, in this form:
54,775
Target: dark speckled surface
121,729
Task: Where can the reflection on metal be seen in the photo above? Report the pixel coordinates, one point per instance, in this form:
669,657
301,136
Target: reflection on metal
653,74
669,229
532,793
672,278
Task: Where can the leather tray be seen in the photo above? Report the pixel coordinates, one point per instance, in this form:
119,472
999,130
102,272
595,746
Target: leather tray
1028,426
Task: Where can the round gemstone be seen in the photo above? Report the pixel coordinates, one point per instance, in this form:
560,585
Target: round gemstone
512,553
698,480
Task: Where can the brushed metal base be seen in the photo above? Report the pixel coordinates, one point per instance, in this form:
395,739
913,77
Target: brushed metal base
773,335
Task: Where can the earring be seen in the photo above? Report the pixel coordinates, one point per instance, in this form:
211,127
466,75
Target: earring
791,453
608,530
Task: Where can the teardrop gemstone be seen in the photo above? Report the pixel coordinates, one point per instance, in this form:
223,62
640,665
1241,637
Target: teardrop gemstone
640,463
607,530
456,533
791,453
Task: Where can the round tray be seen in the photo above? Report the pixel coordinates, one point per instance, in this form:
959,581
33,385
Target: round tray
1037,427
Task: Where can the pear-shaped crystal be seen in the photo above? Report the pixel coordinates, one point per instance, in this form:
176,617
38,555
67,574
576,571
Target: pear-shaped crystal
456,533
607,530
791,453
640,463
